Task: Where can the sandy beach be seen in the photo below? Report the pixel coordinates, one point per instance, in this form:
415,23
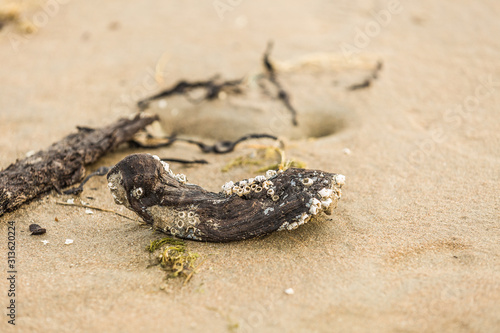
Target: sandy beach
414,245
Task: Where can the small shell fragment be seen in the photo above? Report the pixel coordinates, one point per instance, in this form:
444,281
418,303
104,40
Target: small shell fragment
35,229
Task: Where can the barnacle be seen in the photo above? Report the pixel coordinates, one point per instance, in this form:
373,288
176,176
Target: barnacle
241,210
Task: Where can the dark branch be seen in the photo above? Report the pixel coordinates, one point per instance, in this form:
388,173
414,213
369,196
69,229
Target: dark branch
63,163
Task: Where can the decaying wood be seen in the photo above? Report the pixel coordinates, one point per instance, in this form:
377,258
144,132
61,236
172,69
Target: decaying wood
245,209
62,164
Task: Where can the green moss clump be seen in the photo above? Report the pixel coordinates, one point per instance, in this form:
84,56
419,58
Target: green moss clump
156,244
174,258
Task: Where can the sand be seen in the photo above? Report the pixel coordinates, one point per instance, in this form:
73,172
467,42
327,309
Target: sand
414,244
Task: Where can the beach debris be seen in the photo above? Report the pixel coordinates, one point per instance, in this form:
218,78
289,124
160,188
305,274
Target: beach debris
213,87
45,242
102,171
273,78
89,211
367,82
68,241
94,208
216,88
174,257
221,147
347,151
35,229
278,200
289,291
182,161
63,163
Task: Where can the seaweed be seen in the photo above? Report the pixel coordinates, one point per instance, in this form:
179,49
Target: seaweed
174,257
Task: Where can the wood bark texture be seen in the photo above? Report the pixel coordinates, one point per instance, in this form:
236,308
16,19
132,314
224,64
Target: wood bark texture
63,163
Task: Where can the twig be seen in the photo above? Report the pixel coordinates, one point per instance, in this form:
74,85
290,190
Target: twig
63,163
96,208
190,275
178,160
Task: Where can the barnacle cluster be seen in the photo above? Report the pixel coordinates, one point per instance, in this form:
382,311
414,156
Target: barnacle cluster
245,187
322,201
180,177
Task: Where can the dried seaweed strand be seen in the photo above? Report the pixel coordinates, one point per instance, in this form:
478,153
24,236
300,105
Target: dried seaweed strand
282,94
102,171
221,147
183,87
368,81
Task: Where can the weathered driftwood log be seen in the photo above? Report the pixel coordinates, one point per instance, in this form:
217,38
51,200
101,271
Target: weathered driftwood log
62,164
251,207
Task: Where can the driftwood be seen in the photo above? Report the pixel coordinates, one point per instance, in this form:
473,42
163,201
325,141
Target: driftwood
62,164
245,209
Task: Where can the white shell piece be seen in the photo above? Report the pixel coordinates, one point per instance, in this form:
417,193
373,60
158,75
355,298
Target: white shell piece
326,203
326,192
270,173
260,178
340,179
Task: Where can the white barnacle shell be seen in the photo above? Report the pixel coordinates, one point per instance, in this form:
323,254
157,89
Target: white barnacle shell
326,193
111,186
270,173
137,192
253,186
307,181
251,180
267,184
326,203
260,178
242,183
181,178
247,189
283,226
315,206
303,218
258,189
182,215
292,226
227,186
270,192
166,166
267,210
340,179
156,158
275,197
